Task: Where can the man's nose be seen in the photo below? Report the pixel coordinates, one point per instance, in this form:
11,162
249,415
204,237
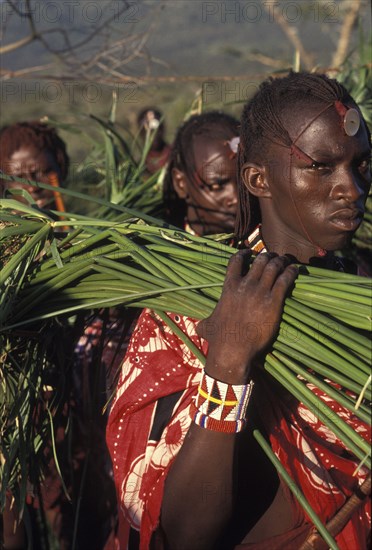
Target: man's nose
350,186
231,196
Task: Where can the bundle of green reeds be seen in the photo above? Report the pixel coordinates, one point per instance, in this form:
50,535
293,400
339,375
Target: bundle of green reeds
323,337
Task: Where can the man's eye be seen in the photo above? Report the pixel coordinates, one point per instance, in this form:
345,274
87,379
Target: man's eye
320,167
216,186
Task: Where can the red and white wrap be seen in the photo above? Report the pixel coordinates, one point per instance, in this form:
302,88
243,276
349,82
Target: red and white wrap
150,417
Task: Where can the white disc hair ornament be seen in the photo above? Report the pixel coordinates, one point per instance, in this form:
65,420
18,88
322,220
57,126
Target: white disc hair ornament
234,144
351,122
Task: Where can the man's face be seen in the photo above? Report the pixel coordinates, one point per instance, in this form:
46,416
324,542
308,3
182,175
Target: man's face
320,202
30,163
212,196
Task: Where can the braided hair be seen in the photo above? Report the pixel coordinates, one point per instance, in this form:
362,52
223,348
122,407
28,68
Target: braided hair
214,124
262,122
37,134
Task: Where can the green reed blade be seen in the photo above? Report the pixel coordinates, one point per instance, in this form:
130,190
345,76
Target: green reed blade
295,490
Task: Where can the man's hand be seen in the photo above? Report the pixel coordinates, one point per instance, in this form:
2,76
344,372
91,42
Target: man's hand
246,319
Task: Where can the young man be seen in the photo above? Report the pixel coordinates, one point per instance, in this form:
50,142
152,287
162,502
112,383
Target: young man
34,151
185,479
200,186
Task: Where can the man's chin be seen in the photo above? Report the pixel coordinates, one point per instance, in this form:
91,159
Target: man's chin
340,243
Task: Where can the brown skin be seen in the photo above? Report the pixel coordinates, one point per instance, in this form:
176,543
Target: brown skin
212,198
324,205
207,458
31,163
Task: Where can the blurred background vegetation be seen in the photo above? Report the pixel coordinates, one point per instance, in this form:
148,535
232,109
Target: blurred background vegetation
69,63
63,59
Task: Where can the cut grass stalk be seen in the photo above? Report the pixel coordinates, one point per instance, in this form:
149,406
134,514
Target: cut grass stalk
319,351
34,243
358,446
341,304
295,490
328,274
327,388
355,341
346,316
323,370
298,322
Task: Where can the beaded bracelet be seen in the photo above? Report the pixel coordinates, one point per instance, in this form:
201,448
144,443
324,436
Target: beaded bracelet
219,406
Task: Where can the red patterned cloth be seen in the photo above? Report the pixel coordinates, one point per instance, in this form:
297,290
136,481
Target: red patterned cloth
150,417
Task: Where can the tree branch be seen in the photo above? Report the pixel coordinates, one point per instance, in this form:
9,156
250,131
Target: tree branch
266,60
345,35
23,41
291,33
18,44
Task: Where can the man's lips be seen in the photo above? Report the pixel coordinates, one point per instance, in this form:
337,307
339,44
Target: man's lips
348,219
347,214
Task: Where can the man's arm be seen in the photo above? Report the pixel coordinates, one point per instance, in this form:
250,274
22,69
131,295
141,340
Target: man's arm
198,499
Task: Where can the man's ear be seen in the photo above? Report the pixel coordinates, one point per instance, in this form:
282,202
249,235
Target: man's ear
180,183
255,179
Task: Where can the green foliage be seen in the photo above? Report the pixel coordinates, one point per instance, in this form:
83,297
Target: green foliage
114,169
356,76
27,367
147,264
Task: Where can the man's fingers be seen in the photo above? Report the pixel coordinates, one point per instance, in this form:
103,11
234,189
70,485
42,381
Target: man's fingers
274,267
235,268
285,280
259,265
